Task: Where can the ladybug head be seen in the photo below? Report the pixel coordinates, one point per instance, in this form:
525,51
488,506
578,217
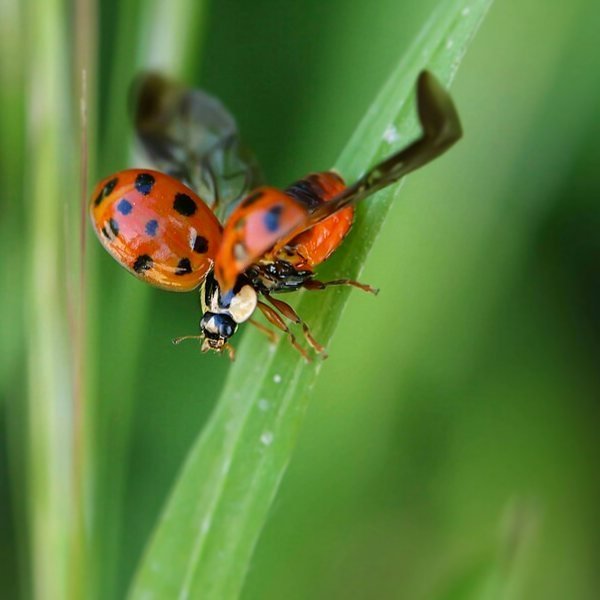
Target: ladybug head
216,328
215,331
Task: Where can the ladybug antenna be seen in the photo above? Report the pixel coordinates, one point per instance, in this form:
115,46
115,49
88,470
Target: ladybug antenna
178,340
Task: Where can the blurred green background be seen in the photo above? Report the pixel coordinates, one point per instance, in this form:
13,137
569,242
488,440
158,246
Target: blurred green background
452,439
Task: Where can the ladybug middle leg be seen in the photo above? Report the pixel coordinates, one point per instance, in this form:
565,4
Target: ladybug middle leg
274,318
268,332
313,284
287,311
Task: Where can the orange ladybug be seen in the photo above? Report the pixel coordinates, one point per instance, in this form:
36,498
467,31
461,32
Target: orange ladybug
197,225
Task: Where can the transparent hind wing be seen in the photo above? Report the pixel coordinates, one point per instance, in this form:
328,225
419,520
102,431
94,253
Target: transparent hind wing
440,130
190,135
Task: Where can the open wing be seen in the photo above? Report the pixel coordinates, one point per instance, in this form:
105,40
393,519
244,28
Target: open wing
440,129
192,136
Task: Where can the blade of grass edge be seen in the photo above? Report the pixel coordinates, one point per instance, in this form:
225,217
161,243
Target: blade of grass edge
204,540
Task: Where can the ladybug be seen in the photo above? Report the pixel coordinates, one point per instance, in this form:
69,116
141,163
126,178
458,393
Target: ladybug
193,223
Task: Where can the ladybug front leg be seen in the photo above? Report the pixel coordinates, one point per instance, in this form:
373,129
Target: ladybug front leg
313,284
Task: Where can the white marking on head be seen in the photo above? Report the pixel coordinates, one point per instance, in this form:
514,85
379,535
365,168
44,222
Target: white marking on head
211,326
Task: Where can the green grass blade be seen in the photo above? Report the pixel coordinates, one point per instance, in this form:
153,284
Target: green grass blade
204,541
495,573
50,410
11,176
13,574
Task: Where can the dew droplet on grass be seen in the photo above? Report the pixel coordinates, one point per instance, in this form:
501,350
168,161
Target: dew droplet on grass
225,467
266,438
391,135
205,525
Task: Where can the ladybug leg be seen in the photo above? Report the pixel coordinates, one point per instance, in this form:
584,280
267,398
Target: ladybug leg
313,284
287,311
268,332
276,320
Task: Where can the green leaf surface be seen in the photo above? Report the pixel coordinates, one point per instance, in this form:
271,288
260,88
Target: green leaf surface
205,538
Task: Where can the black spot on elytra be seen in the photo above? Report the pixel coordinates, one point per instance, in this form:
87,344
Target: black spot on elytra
184,266
252,198
142,263
200,245
273,218
184,205
144,183
151,227
124,206
106,191
110,230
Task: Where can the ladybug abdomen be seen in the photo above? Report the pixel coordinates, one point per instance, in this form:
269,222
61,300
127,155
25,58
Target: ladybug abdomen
316,245
156,228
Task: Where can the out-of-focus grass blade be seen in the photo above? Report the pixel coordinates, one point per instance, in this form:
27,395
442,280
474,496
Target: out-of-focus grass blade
158,36
204,541
50,162
12,246
11,150
497,573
